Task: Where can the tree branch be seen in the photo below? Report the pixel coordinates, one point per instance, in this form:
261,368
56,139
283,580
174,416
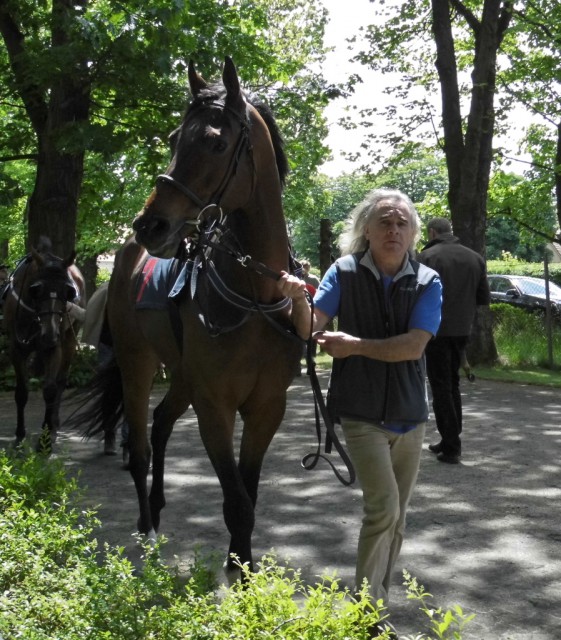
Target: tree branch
30,93
541,234
19,156
468,15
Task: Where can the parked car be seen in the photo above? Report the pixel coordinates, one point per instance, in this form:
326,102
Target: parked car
524,292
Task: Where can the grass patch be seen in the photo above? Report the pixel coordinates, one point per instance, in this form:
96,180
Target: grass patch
537,376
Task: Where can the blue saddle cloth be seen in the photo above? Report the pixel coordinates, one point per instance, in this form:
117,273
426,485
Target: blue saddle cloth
160,279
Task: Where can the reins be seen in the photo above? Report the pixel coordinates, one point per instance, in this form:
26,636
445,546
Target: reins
310,460
34,328
223,242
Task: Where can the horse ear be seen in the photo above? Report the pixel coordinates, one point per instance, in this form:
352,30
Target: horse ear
70,260
232,83
37,256
196,81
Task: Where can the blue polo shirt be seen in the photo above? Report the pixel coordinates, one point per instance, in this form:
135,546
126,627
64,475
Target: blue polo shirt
425,316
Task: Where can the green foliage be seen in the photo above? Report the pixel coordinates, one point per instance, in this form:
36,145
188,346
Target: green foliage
521,337
444,624
56,583
521,216
414,169
97,47
328,198
83,366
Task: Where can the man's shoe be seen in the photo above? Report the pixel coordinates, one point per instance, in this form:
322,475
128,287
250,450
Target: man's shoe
435,448
450,458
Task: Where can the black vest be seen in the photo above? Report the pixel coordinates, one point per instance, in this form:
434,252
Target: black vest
367,389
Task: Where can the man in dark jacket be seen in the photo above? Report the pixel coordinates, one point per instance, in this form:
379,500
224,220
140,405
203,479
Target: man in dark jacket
464,286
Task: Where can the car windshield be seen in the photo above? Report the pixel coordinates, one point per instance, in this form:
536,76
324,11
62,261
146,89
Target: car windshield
537,288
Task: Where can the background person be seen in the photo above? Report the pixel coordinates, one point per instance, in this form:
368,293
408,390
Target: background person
388,308
464,281
312,284
309,278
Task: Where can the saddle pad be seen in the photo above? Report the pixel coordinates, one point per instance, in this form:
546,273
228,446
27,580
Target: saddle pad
156,281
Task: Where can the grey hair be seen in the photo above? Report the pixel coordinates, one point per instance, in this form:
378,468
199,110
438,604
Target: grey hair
352,240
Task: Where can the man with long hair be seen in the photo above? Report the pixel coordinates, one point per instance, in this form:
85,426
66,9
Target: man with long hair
388,308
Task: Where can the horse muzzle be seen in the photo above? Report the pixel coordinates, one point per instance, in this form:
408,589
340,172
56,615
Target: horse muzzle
156,235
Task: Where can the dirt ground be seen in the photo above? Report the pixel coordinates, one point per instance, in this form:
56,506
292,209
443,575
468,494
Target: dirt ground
485,534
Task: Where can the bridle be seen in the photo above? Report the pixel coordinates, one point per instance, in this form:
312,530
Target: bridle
215,200
52,303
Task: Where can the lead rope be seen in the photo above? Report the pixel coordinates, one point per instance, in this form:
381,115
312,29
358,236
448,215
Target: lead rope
310,460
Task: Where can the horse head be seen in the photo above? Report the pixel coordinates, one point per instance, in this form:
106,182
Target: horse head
214,164
49,289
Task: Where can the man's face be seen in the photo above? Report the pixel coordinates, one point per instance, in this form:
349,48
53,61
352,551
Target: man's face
390,231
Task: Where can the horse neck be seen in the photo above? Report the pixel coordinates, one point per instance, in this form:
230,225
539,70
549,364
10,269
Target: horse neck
261,233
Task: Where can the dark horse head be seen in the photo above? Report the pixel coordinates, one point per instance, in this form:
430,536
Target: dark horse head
224,141
42,288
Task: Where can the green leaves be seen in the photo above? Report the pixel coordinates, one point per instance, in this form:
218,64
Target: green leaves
132,59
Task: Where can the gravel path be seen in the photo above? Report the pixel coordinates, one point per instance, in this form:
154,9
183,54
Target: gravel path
484,534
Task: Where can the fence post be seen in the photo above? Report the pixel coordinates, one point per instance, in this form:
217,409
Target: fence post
548,323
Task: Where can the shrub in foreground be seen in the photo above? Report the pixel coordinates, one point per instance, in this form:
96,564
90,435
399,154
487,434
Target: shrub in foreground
56,583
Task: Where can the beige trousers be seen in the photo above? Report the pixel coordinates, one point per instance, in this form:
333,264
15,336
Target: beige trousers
386,465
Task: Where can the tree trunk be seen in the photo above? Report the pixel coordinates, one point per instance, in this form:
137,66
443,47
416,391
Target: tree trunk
53,206
558,174
325,245
481,348
59,114
469,155
88,267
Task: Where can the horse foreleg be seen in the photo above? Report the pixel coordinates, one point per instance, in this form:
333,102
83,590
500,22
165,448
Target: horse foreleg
166,414
21,396
261,420
136,395
216,430
49,429
54,385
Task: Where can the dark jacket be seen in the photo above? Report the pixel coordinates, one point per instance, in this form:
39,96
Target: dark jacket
365,388
464,282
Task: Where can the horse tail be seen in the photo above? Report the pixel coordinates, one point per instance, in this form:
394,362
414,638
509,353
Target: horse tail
100,404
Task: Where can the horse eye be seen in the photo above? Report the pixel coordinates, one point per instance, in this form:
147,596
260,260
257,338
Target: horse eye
220,146
35,290
70,292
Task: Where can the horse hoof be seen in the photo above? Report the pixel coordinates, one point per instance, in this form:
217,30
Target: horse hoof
233,573
109,449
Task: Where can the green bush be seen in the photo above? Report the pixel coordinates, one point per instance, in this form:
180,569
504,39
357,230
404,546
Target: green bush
521,337
55,583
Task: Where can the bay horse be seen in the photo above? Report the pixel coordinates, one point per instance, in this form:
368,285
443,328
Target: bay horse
41,333
232,349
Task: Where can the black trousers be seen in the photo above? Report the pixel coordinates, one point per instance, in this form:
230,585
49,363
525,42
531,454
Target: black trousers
443,354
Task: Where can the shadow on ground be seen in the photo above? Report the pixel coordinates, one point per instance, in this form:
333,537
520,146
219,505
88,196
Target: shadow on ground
484,534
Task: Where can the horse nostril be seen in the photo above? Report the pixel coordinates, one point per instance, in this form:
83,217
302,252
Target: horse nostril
153,225
138,223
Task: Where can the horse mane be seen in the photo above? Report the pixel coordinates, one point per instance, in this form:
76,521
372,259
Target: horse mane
217,91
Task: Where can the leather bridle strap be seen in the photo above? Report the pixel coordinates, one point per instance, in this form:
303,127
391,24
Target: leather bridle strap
310,460
164,178
230,172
